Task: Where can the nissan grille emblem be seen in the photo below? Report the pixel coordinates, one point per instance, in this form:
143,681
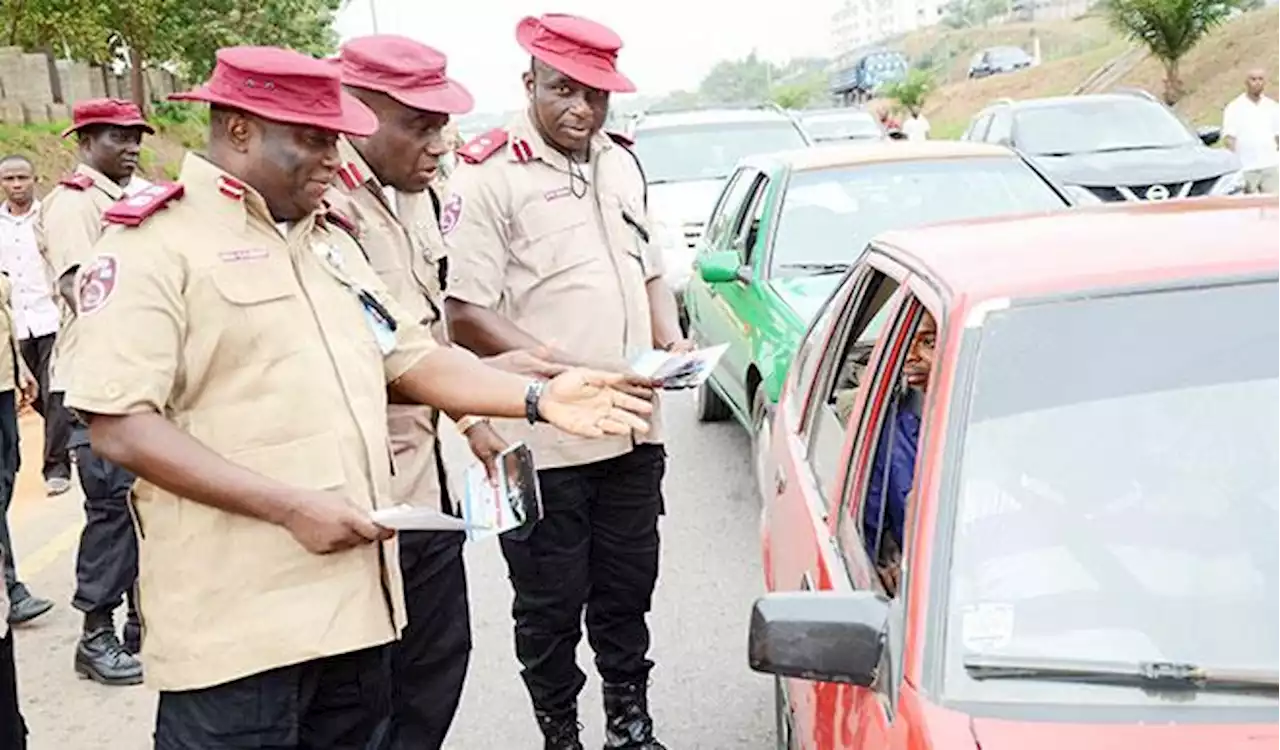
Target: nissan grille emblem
1157,193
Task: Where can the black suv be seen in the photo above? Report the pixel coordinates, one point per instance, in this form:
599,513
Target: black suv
1119,146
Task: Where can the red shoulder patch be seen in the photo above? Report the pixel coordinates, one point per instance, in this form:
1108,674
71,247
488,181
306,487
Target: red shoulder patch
77,181
334,216
135,209
620,138
483,146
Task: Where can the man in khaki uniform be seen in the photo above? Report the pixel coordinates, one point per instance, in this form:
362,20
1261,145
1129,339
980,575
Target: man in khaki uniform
109,133
385,186
548,237
15,381
236,351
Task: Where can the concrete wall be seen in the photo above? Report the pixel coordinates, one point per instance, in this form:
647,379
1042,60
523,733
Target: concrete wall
27,94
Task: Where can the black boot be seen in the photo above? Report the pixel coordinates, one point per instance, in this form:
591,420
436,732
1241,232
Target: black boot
627,723
560,729
100,657
132,637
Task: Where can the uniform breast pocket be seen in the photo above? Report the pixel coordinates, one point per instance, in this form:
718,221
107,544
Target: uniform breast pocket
259,307
554,236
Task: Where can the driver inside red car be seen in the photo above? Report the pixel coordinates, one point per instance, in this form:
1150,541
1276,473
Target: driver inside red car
895,462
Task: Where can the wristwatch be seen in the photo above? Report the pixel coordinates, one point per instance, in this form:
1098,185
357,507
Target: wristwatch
532,395
466,423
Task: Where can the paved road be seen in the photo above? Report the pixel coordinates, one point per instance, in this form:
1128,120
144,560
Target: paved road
703,695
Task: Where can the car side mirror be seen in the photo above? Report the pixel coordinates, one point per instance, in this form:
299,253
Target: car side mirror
721,266
897,135
821,636
1209,135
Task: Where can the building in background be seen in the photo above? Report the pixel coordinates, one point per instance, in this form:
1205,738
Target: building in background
860,24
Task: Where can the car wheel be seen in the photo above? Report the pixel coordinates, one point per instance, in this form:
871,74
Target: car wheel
711,408
782,716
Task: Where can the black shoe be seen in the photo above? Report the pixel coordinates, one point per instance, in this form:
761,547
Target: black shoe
101,658
132,638
560,730
627,723
27,609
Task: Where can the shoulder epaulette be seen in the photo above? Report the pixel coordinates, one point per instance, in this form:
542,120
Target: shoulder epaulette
346,223
77,181
620,139
483,146
351,176
135,209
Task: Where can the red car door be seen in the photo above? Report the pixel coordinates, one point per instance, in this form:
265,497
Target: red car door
811,446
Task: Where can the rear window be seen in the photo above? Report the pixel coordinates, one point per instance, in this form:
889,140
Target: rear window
681,153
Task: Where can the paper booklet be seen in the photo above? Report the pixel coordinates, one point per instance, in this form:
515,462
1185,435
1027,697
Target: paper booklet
490,507
678,371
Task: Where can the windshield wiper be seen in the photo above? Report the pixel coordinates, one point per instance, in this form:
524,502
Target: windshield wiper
1152,675
1115,149
817,268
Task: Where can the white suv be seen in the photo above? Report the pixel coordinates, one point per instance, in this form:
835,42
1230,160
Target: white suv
687,156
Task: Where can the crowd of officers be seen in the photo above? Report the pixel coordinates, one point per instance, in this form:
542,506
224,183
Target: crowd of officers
258,355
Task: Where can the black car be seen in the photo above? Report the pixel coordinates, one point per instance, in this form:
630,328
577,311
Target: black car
1120,146
994,60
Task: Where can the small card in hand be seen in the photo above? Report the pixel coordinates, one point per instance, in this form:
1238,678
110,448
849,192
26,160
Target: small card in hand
679,371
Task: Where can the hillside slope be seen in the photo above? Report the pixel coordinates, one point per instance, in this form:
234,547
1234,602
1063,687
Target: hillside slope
1213,73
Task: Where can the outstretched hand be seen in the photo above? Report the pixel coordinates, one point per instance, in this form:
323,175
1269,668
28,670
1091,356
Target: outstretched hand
593,403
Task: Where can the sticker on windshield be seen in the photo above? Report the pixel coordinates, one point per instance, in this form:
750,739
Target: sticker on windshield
986,626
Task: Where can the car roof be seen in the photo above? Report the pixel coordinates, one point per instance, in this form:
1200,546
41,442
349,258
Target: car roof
833,114
826,157
1095,248
1072,99
708,117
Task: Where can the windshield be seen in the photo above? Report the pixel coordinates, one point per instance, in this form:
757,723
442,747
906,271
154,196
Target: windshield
709,152
1001,55
829,216
1119,503
1083,127
836,127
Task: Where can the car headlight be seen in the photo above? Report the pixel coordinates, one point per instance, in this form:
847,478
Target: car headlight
1081,196
1231,183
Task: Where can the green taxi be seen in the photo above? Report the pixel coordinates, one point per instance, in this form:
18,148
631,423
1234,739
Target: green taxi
788,225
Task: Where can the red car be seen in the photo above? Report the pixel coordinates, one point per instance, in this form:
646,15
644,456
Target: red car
1072,538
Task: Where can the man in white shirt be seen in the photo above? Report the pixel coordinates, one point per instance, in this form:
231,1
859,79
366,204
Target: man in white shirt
1251,128
916,127
35,312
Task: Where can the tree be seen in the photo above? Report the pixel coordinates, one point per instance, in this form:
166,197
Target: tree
910,93
1169,29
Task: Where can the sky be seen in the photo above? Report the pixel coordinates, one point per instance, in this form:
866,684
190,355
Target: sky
667,44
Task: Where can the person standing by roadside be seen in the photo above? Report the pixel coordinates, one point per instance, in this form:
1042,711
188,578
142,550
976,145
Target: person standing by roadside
237,352
35,310
548,235
385,184
27,309
109,139
13,730
916,127
1251,129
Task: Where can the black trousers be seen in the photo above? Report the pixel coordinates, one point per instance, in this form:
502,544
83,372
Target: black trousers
334,703
429,662
36,351
10,461
107,561
596,548
13,731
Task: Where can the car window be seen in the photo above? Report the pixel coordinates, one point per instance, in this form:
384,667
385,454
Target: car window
1001,127
827,216
854,125
749,227
725,217
886,411
843,366
978,128
684,153
1117,123
1102,508
809,352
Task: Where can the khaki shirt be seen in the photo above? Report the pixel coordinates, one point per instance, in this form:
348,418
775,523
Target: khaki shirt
404,247
70,223
569,271
8,338
252,344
